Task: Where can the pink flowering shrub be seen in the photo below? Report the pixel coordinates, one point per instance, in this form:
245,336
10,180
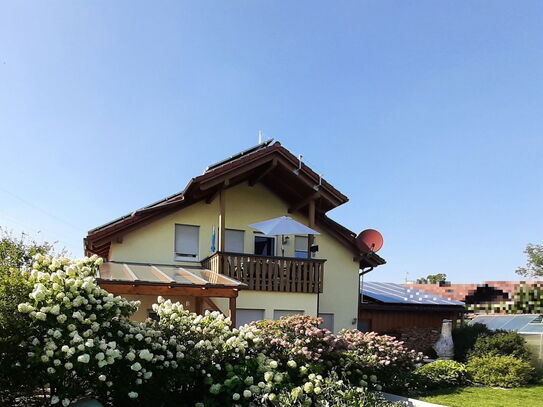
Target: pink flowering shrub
299,337
360,357
379,355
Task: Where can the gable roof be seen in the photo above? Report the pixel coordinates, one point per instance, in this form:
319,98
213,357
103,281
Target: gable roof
268,163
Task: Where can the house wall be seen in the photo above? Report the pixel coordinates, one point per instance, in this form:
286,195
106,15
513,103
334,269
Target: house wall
271,301
244,205
389,321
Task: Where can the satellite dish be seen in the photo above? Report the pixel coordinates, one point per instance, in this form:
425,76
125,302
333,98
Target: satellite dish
369,240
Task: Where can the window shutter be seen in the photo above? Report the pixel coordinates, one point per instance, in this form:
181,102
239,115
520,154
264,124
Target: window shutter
278,313
300,243
327,321
234,241
186,240
246,316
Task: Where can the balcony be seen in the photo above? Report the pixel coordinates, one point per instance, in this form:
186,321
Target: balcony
269,273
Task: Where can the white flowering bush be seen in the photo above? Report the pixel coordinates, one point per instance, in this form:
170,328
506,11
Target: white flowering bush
73,324
79,342
329,391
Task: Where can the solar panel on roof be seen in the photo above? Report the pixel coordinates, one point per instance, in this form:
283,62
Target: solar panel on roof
399,294
239,155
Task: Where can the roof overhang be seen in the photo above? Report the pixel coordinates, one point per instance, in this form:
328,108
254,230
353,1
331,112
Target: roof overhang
270,164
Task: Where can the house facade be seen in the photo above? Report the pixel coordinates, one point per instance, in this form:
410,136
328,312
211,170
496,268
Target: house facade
197,246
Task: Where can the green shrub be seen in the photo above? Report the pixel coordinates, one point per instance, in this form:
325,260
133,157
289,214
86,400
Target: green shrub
464,338
501,371
500,344
441,374
14,289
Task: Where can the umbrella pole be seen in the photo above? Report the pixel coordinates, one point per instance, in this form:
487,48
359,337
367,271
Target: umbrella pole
282,247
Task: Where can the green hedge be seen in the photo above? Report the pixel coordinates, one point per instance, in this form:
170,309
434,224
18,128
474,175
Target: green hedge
500,344
441,374
464,338
501,371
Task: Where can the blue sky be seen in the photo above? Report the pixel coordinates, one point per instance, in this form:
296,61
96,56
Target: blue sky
427,114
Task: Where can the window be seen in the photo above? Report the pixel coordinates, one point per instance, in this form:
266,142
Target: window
278,313
234,241
186,242
264,245
327,321
300,247
246,316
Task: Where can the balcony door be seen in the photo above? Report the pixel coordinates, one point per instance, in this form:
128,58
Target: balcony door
264,245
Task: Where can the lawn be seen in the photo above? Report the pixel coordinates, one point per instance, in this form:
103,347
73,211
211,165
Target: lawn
487,397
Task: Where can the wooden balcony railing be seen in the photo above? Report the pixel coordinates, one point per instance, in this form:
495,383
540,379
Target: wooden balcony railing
266,273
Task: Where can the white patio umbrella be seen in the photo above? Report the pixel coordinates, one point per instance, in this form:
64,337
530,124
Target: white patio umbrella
283,225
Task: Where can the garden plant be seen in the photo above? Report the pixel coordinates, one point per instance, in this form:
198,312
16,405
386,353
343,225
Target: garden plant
76,340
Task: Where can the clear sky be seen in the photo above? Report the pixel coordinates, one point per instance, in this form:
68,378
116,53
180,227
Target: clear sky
427,114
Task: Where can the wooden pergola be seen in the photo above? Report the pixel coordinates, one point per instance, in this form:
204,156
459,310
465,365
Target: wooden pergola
167,280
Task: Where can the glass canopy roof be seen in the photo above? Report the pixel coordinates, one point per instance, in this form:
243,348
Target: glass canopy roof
522,323
132,272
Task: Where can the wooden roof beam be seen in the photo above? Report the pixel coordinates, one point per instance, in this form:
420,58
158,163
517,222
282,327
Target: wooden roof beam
166,290
266,171
227,176
299,205
215,193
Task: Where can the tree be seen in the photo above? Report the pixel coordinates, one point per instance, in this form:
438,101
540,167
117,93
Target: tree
534,265
432,279
16,253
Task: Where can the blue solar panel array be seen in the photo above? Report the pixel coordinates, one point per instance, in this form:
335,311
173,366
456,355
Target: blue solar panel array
399,294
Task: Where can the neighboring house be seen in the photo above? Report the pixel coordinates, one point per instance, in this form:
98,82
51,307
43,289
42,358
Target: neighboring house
485,292
390,308
196,246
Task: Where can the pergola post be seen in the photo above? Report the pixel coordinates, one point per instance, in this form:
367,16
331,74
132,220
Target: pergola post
232,310
199,305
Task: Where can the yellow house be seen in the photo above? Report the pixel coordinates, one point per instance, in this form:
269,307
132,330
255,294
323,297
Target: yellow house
197,247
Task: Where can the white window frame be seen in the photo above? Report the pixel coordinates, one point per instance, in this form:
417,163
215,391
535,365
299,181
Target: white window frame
180,257
255,234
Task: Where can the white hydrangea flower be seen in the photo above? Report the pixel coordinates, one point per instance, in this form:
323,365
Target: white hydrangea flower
85,358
